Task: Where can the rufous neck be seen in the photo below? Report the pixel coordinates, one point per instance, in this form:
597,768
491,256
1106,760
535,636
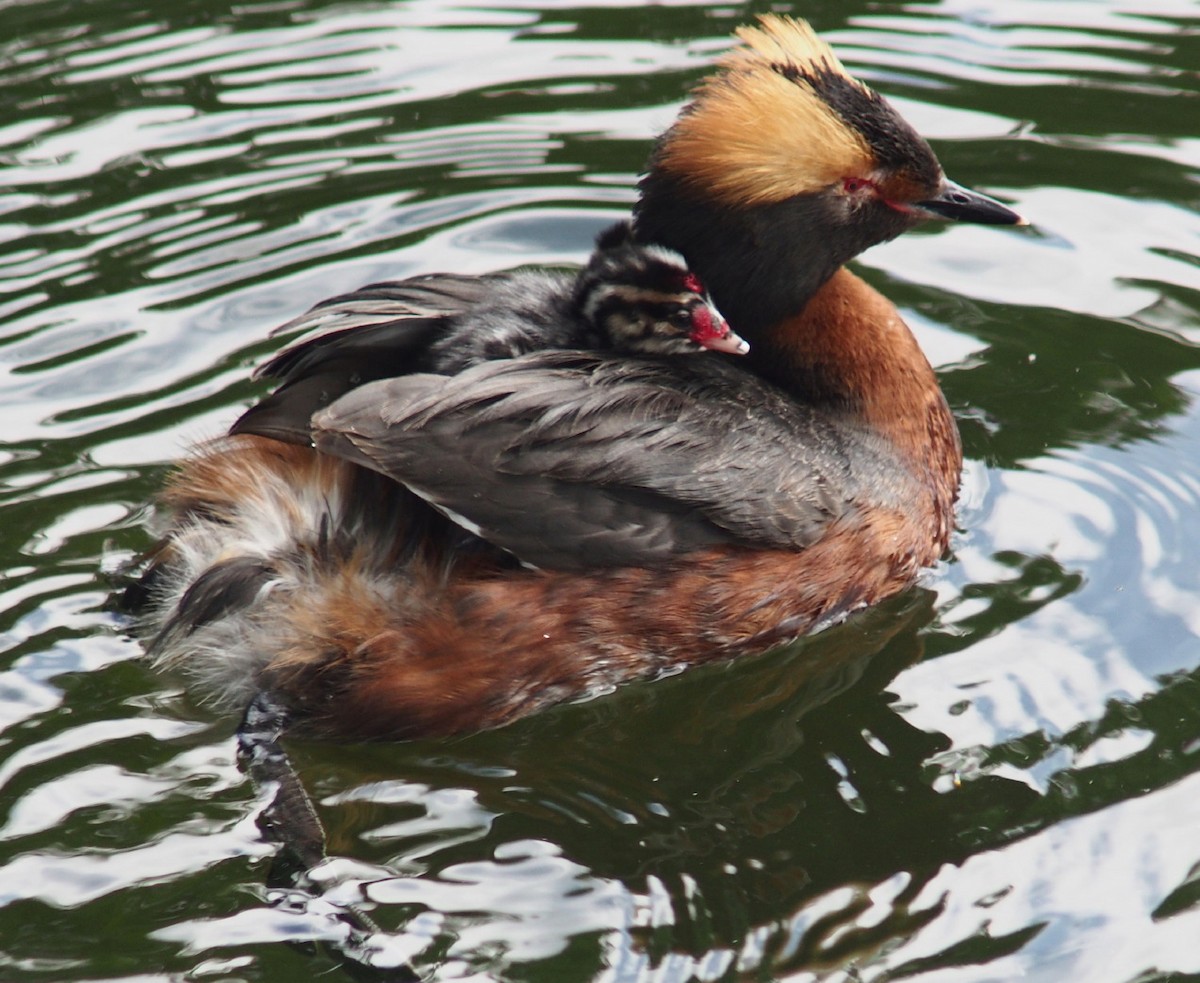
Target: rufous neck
849,350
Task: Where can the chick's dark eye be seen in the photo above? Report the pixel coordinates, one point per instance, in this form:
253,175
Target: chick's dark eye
681,317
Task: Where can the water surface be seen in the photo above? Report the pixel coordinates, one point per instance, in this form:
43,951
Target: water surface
995,776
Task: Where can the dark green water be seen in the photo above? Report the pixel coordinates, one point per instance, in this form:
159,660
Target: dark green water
997,776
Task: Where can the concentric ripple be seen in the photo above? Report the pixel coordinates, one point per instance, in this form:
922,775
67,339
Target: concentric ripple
993,777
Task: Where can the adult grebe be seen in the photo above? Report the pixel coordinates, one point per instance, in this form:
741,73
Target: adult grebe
396,548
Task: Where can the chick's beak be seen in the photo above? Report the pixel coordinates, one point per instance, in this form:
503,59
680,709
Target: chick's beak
960,204
710,330
729,342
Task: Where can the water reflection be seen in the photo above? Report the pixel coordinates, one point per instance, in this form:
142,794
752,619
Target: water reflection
992,779
802,799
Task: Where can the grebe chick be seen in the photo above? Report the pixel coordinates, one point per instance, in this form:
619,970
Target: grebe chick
622,515
630,297
643,298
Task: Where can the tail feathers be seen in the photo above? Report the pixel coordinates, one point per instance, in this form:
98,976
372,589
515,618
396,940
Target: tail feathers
278,563
213,620
219,592
255,530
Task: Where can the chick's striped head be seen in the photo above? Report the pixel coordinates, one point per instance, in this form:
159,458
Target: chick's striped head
643,298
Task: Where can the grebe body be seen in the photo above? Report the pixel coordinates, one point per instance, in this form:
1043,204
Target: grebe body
419,536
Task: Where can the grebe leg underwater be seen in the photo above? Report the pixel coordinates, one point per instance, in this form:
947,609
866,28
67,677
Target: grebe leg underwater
470,498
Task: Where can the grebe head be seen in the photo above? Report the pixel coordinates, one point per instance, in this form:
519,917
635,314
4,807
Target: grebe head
644,299
782,168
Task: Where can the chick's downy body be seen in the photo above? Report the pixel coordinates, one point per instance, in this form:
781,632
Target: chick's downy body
630,297
445,518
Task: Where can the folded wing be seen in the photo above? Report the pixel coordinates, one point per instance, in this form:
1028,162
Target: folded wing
375,332
572,459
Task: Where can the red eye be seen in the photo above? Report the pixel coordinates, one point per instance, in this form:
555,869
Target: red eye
853,185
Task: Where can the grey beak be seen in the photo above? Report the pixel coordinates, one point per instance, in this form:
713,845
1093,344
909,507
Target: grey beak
960,204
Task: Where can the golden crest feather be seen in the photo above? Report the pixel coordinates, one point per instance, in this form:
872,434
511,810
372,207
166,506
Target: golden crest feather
786,39
759,130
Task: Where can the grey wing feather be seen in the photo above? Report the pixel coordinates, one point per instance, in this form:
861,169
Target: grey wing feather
396,316
569,459
376,332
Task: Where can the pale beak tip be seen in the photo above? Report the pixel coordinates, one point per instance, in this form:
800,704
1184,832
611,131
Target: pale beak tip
729,343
